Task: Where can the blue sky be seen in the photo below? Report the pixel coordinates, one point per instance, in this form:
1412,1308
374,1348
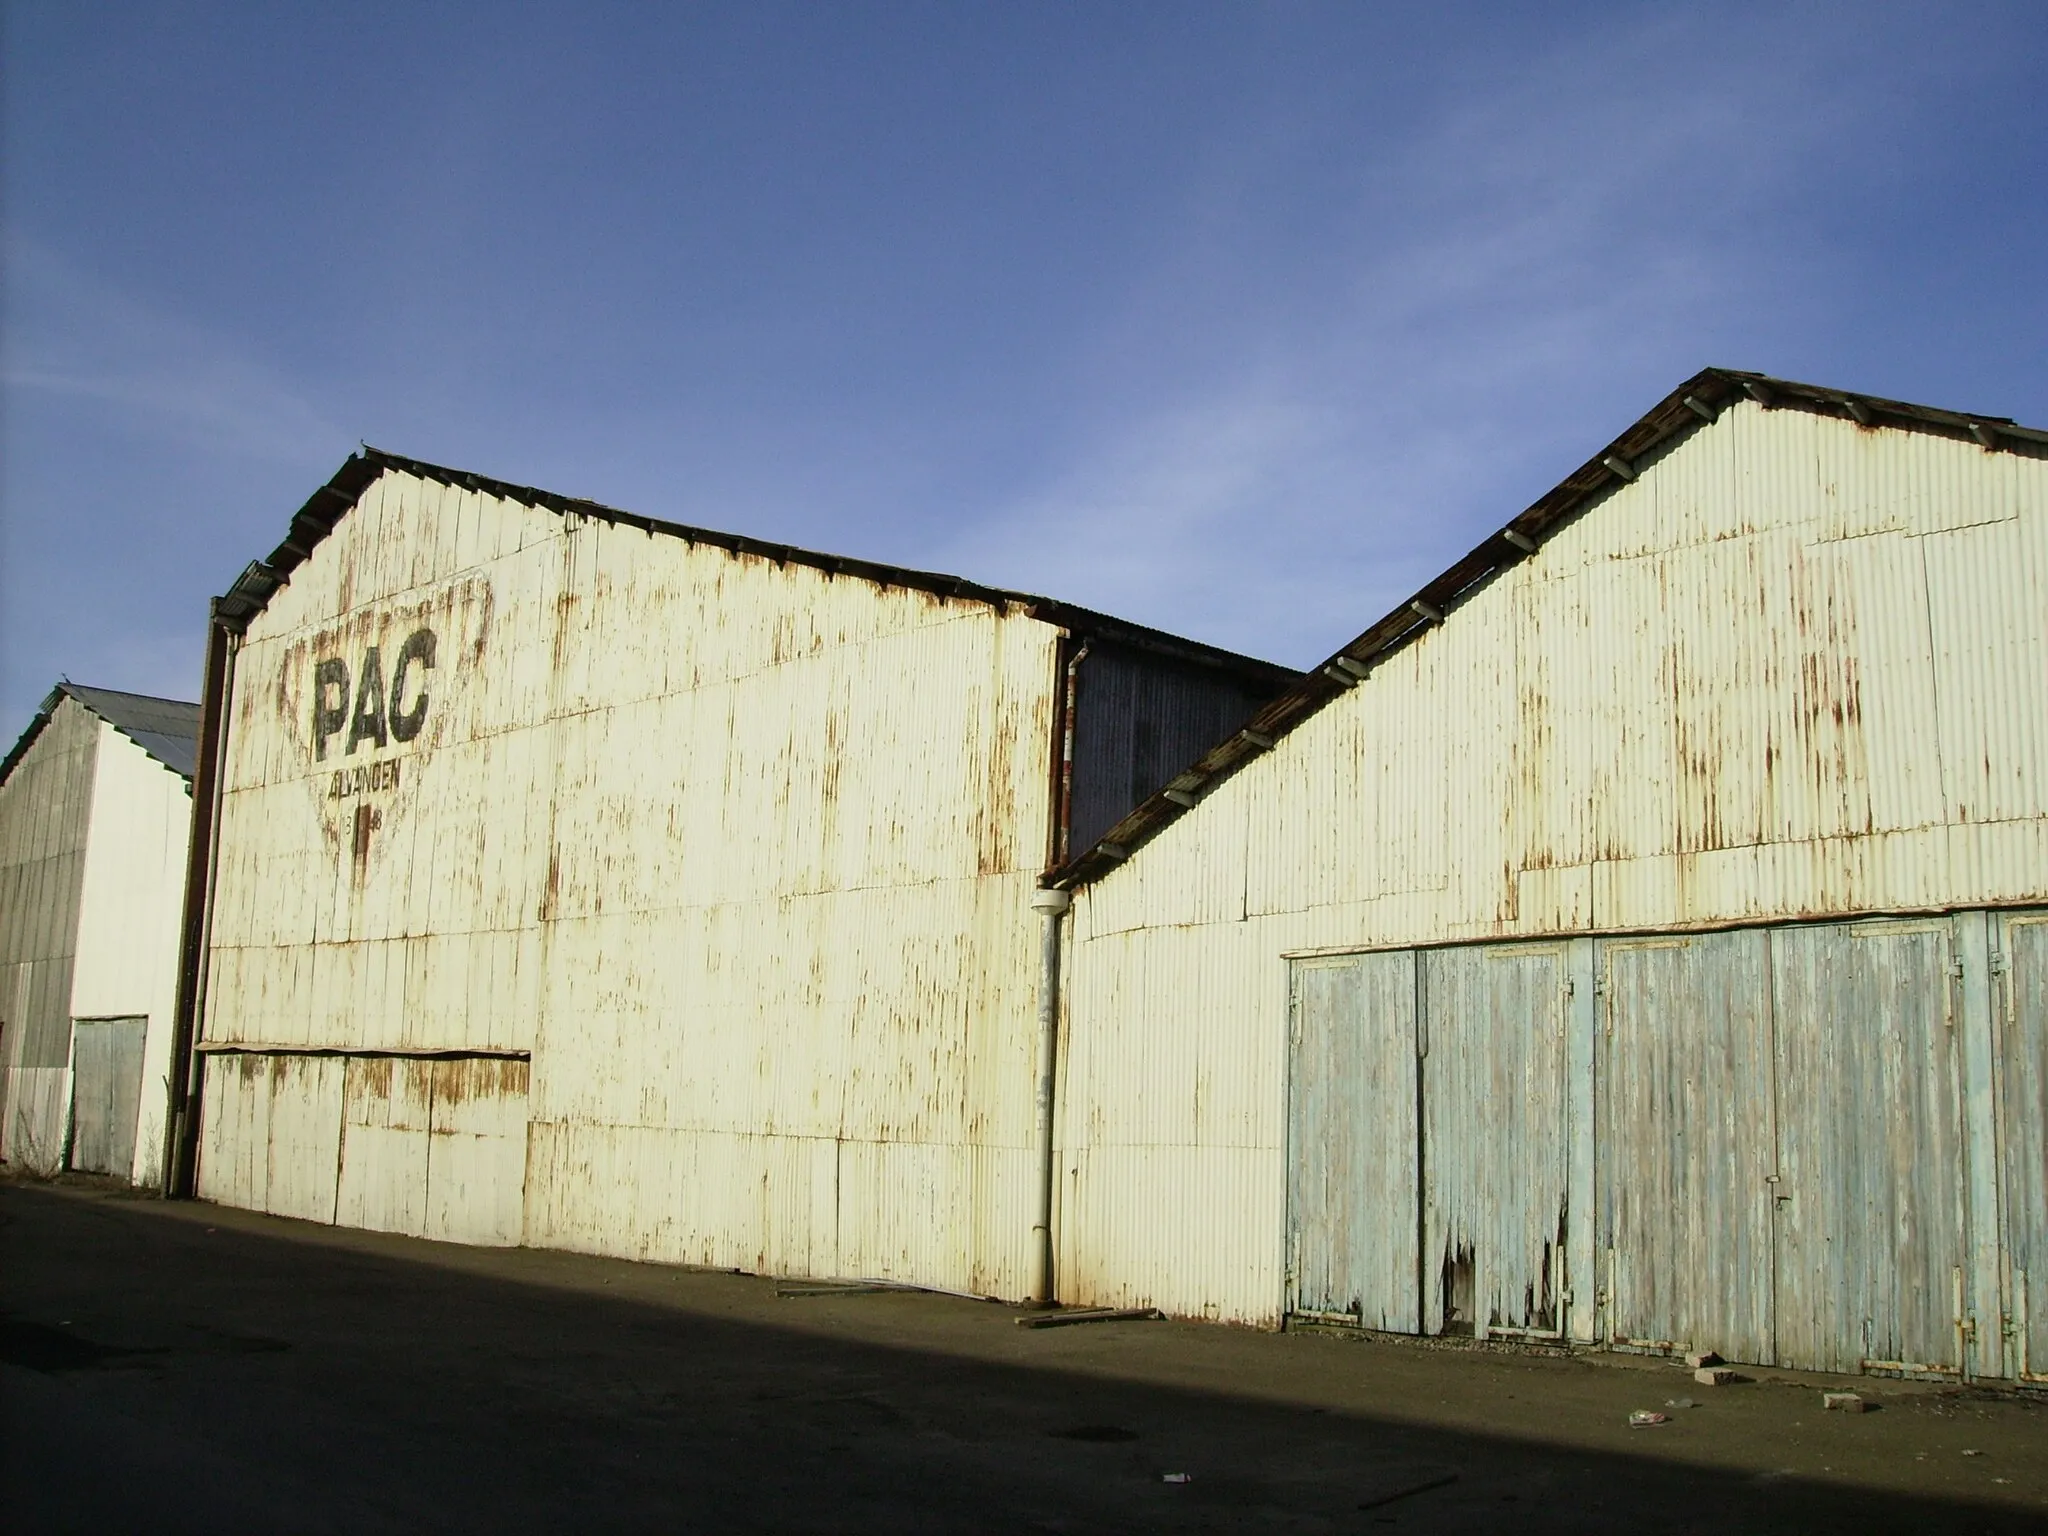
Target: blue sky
1236,320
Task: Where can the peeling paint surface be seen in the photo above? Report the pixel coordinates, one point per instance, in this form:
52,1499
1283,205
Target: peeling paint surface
1353,1179
1770,1156
1687,1103
1494,1139
2023,1132
1792,672
738,854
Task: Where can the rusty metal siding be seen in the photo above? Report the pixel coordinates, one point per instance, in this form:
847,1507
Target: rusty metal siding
386,1109
1353,1140
1139,719
1984,586
1787,673
272,1129
1496,1157
45,818
2022,1060
1870,1232
1165,1149
739,851
427,1146
1774,1147
1687,1121
476,1151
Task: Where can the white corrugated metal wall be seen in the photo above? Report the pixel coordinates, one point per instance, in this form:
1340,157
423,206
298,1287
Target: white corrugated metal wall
1792,671
737,854
134,879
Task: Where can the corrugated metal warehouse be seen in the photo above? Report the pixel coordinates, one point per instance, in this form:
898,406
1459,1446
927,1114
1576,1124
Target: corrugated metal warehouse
95,811
1640,937
580,880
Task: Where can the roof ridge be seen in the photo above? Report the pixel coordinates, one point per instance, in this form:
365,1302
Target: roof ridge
174,748
253,589
68,686
1693,406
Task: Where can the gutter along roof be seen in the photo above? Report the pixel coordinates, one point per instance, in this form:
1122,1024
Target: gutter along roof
167,729
252,590
1694,405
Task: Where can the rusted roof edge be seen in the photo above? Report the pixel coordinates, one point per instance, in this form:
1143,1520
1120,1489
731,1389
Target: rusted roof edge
326,507
1692,406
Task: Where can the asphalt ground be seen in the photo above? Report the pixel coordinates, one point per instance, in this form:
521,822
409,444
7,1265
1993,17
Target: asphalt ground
185,1367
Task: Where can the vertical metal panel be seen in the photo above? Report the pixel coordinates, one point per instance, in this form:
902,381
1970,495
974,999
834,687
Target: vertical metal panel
1352,1143
1173,1175
45,811
386,1104
106,1083
2023,1135
1980,1298
305,1136
1495,1152
1583,1313
1688,1145
234,1152
1139,720
1985,595
1870,1240
476,1165
272,1133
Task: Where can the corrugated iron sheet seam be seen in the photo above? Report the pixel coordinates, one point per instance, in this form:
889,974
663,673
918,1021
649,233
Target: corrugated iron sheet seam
394,1053
1702,926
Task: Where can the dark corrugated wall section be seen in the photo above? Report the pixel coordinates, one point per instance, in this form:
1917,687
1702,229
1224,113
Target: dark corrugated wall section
1139,719
47,804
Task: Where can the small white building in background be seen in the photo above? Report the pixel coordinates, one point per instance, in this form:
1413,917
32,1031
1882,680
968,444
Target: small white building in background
1640,937
95,819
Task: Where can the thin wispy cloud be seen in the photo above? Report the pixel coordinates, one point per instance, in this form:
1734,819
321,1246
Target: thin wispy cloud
1242,326
77,336
1363,435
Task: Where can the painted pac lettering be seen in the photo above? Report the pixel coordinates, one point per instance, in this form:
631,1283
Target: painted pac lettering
368,724
379,715
330,701
418,650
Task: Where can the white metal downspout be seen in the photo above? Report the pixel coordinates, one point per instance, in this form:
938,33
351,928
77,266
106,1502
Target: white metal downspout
1051,906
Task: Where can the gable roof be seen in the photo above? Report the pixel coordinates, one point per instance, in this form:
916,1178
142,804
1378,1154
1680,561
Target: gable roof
1693,406
326,507
167,729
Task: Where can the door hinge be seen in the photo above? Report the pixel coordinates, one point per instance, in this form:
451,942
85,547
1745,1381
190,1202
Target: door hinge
1955,969
1997,966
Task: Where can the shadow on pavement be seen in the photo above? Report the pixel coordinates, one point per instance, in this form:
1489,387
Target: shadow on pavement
164,1376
